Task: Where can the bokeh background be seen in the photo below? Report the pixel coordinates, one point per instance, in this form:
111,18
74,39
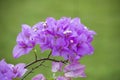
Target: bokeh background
103,16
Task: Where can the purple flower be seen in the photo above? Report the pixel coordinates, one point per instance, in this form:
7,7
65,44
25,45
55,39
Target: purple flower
57,66
40,36
74,70
25,42
65,37
5,71
39,77
62,78
18,69
9,71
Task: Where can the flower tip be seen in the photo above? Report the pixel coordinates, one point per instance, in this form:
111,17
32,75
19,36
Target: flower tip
15,56
83,75
39,77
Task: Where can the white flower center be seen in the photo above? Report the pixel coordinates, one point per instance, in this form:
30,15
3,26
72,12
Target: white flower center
71,41
67,31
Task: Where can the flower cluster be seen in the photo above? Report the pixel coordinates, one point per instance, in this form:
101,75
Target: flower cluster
66,37
72,70
9,71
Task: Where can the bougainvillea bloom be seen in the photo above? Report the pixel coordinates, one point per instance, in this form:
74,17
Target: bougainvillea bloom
65,37
25,42
39,77
18,69
74,70
5,71
9,71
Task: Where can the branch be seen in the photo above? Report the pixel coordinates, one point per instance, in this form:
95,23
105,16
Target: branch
46,59
42,61
32,70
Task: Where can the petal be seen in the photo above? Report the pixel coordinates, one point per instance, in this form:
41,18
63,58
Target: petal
5,71
20,37
76,21
19,70
51,22
39,77
56,66
62,78
82,38
74,70
76,73
18,51
83,49
38,26
55,52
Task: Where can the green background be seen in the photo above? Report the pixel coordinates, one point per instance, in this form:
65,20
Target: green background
103,16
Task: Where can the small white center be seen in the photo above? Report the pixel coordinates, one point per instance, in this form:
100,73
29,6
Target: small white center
71,41
45,24
67,31
35,29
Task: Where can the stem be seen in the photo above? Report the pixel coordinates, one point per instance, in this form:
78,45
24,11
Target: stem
35,52
49,54
45,59
42,61
32,70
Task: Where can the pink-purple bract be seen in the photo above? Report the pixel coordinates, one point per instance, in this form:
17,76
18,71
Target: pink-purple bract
39,77
57,66
62,78
9,71
25,42
74,70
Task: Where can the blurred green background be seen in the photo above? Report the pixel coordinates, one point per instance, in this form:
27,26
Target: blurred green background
103,16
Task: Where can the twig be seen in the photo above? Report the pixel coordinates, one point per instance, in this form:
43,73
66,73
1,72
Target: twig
35,52
42,61
49,54
32,70
45,59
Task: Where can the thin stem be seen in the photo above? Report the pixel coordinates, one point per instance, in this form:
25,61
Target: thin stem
49,54
45,59
32,70
35,52
42,60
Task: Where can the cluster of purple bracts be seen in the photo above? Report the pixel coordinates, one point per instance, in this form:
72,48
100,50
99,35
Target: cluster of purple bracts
9,71
66,37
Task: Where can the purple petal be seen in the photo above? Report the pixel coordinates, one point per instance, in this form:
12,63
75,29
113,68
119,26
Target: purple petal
39,77
19,51
56,66
5,71
26,30
74,70
51,22
19,70
76,20
55,52
82,38
62,78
